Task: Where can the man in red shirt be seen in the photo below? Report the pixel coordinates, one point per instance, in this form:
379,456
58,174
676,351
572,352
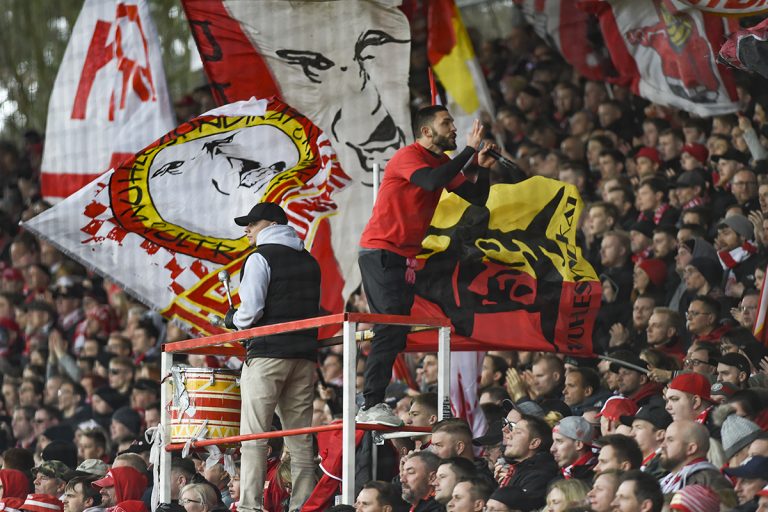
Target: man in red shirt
409,193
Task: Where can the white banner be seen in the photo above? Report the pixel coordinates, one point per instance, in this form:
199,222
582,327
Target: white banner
162,224
110,97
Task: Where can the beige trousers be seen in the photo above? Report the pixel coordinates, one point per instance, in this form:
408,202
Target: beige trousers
285,386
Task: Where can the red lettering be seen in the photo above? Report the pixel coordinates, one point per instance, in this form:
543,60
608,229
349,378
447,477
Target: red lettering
135,77
99,54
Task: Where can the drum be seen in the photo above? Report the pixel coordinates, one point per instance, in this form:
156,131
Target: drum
204,398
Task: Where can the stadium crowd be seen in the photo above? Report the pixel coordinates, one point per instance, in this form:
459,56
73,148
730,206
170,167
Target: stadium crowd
674,418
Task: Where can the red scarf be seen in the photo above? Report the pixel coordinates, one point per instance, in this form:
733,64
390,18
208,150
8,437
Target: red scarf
704,415
731,258
659,213
648,459
588,459
696,201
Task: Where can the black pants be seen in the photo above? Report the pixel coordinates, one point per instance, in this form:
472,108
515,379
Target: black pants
383,274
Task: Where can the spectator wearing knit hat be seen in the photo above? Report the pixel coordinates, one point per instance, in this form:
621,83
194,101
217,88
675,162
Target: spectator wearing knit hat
647,161
651,276
738,434
641,240
693,156
126,422
687,250
104,402
736,249
695,498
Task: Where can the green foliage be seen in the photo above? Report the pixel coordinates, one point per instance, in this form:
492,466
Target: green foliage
33,37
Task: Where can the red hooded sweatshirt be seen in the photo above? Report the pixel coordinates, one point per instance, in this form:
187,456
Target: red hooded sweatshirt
129,483
15,483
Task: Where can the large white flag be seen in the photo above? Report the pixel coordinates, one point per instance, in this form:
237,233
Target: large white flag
342,63
666,51
162,223
109,99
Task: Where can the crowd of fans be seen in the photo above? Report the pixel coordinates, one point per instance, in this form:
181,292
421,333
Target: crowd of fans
673,417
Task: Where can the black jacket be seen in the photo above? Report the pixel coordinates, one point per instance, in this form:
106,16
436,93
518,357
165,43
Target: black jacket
534,474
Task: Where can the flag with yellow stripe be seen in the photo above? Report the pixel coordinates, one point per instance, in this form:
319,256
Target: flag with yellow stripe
510,274
453,60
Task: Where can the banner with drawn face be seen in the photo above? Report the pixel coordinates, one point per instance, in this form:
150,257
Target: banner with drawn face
161,224
344,64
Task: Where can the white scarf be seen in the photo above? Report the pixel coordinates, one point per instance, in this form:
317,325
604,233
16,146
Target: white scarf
675,481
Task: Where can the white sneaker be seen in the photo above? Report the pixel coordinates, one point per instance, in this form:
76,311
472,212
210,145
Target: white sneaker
381,414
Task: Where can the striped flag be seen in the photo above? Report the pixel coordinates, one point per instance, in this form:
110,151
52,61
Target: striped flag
453,60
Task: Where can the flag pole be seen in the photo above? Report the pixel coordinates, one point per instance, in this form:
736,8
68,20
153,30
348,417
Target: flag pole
376,181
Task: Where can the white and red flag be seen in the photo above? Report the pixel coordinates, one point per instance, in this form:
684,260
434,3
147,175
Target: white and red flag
344,64
665,51
161,224
109,99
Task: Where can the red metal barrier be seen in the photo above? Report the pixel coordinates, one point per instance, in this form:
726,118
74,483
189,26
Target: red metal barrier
293,432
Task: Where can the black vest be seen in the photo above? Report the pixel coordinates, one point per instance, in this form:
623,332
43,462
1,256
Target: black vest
293,294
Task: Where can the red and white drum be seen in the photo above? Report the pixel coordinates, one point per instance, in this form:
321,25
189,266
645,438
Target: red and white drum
205,397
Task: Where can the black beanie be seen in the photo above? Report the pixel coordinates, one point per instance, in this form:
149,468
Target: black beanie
128,417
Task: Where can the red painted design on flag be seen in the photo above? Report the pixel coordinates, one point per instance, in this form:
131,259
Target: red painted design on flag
175,268
177,288
150,247
92,227
117,234
94,209
199,269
